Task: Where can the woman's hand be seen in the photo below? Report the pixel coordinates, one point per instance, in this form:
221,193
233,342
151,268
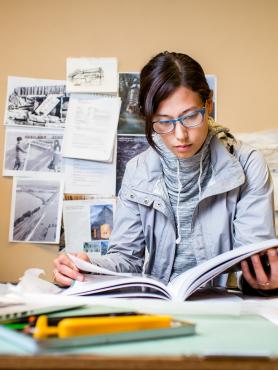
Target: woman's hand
65,270
260,278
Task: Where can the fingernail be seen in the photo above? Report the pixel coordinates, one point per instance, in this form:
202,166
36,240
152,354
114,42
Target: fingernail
80,277
272,253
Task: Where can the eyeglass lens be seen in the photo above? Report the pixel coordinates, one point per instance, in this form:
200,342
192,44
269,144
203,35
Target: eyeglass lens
193,120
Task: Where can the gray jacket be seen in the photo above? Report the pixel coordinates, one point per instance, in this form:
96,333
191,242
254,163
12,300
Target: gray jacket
235,208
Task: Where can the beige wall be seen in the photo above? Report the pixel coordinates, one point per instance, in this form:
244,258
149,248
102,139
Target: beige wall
235,39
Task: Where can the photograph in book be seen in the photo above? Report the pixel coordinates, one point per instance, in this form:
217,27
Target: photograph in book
128,146
103,282
91,127
88,224
36,102
36,210
92,75
130,120
32,151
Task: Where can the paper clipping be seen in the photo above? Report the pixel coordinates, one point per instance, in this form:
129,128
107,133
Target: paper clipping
36,210
88,224
91,127
90,177
32,152
92,75
36,102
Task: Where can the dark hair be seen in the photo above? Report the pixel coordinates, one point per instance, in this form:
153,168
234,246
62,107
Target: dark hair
161,76
19,138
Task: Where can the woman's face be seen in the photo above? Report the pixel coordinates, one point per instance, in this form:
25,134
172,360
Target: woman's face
183,142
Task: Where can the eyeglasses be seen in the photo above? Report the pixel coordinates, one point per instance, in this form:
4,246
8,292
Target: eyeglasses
193,119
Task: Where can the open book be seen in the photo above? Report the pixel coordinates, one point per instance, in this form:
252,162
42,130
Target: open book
102,282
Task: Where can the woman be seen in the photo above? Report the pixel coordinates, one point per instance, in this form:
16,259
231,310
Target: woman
195,193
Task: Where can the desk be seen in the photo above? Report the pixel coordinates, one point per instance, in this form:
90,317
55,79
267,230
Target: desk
222,342
85,362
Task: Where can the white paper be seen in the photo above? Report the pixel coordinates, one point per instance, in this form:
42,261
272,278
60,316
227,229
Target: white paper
91,127
267,143
36,102
32,151
92,75
36,210
90,267
90,177
88,224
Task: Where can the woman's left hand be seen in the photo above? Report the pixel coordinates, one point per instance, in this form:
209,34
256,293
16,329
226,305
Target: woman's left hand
262,279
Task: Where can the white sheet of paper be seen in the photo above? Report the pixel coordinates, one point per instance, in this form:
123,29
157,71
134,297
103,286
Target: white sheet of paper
92,75
77,216
90,177
90,267
267,143
91,127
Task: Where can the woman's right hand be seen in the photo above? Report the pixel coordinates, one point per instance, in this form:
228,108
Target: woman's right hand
65,270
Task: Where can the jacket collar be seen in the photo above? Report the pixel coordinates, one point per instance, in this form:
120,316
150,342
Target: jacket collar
147,185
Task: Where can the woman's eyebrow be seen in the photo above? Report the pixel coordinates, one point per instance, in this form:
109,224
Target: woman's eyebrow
182,113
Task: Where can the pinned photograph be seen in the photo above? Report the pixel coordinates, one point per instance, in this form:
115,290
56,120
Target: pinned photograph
128,146
212,82
36,102
32,151
92,75
88,223
36,210
130,120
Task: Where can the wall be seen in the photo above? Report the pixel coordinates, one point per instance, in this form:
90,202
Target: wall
236,40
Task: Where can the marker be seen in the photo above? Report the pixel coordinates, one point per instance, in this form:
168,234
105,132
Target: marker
71,327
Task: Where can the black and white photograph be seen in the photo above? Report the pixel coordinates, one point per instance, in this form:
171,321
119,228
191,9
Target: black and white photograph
128,146
32,151
130,121
36,102
92,75
36,210
98,247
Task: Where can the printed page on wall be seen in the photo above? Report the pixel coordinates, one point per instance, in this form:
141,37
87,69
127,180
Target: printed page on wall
92,75
91,127
36,210
36,102
88,224
90,177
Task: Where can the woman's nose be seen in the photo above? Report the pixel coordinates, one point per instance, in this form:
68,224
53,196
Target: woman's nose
180,132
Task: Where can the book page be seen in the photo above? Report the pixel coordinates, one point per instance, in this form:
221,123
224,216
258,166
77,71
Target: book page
181,285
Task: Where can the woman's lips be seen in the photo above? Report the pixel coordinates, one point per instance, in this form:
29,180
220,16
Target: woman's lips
183,148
